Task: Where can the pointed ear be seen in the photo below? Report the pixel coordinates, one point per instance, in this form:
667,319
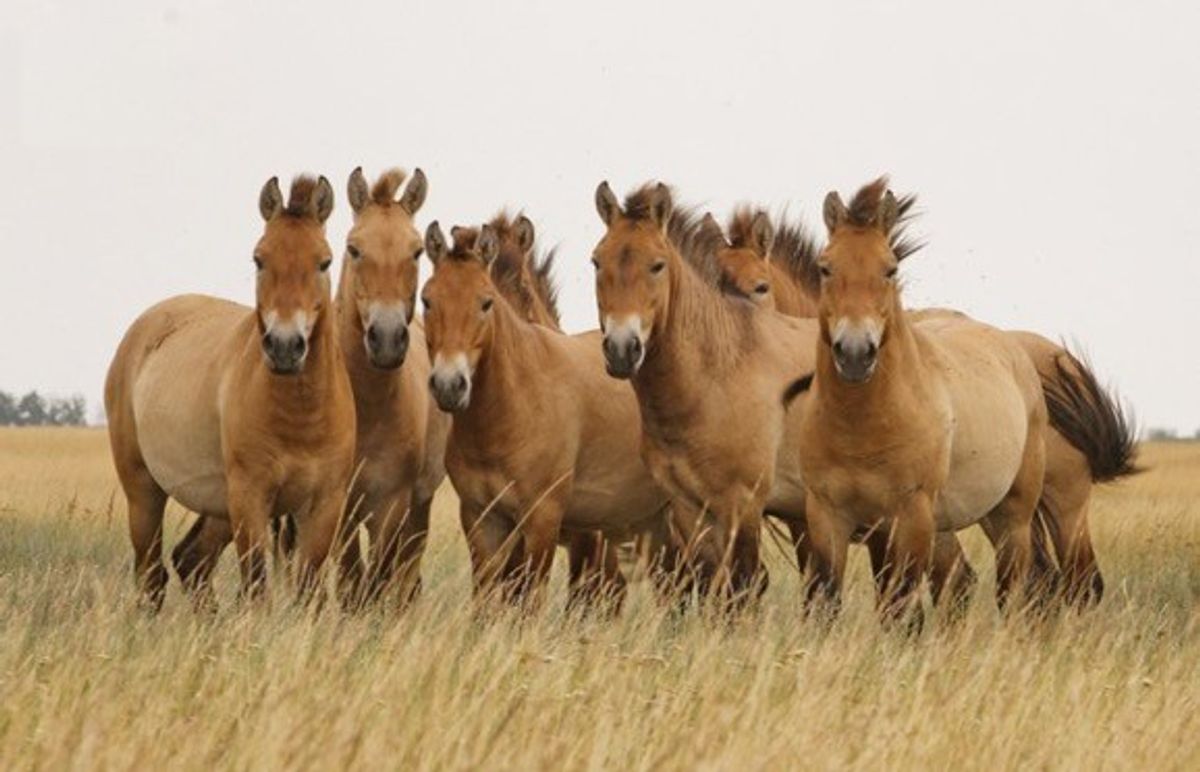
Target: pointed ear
435,242
414,194
606,203
270,199
762,235
835,211
660,206
321,203
525,234
487,244
889,212
356,190
712,229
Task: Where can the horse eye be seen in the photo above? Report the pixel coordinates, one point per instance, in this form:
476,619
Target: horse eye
658,267
596,264
826,271
487,305
353,251
258,263
762,289
324,266
891,272
425,302
420,251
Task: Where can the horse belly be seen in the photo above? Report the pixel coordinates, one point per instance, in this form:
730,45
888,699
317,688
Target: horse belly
179,429
614,498
991,425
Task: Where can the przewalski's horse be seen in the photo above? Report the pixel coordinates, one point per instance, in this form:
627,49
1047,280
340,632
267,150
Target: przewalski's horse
523,278
912,425
709,373
541,439
1090,440
241,415
401,434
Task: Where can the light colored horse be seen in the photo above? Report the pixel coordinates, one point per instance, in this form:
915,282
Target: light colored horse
710,373
241,415
541,440
913,426
1090,439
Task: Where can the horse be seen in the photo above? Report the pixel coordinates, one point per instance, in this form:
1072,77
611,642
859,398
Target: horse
402,435
241,415
1090,441
912,425
541,440
709,372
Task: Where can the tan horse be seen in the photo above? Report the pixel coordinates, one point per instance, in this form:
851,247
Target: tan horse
241,415
913,426
1090,440
401,436
541,440
709,373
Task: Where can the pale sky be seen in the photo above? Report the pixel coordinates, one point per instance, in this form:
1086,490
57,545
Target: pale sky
1055,147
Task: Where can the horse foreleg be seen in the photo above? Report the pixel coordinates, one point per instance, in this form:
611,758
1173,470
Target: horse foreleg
196,557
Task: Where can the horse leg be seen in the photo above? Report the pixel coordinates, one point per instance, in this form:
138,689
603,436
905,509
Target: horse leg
1066,501
909,551
1008,525
798,530
397,540
595,573
146,502
829,539
196,556
489,542
250,510
951,576
316,534
540,530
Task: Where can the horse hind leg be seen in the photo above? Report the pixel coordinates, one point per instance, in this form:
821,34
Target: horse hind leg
595,578
1009,527
952,578
146,500
196,557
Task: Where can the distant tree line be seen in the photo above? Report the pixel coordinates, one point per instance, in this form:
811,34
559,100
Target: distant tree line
35,410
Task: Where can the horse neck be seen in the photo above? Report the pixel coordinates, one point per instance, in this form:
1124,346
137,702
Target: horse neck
790,298
500,384
897,373
698,337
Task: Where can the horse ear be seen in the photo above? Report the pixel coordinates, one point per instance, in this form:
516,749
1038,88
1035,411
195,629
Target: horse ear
606,203
321,203
487,244
835,211
270,199
356,190
435,242
712,229
660,205
525,234
889,212
414,193
762,235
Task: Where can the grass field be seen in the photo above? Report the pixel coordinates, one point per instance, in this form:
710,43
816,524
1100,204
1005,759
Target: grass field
86,680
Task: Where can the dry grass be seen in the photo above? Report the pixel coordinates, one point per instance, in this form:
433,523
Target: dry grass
88,681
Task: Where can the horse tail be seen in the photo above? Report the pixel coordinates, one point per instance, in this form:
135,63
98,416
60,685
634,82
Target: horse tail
1091,419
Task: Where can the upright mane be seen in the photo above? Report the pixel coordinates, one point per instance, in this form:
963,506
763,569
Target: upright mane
865,205
520,280
695,244
300,196
796,250
383,192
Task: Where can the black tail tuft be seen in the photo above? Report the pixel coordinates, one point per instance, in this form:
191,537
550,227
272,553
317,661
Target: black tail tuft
1091,419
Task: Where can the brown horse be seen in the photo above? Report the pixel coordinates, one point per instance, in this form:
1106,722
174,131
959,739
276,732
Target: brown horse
401,435
541,440
913,425
1090,440
709,373
241,415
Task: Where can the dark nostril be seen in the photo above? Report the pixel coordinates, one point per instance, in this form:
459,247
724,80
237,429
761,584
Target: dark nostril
298,345
635,347
871,350
837,347
372,336
460,383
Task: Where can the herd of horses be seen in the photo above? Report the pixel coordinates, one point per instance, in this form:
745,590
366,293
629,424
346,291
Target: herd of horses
739,373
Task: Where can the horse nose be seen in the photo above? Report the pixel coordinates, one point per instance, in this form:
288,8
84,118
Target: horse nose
386,346
622,356
285,352
450,390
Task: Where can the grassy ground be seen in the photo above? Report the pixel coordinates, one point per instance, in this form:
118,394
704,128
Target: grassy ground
88,681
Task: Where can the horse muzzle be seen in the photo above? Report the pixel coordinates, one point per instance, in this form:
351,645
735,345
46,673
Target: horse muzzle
623,354
387,344
855,359
451,389
285,352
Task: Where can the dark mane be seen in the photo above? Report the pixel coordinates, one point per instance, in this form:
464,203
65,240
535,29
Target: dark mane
865,205
300,196
383,192
464,238
796,250
903,243
695,244
517,278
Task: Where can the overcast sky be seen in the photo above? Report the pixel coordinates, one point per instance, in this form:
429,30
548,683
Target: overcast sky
1055,147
